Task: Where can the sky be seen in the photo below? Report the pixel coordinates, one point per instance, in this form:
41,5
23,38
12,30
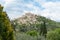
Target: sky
46,8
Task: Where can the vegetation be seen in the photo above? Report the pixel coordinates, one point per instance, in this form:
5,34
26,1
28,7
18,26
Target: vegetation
32,33
54,35
28,27
43,29
38,29
6,31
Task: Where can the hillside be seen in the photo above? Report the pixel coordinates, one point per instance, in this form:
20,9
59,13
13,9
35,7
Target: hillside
27,18
30,19
28,26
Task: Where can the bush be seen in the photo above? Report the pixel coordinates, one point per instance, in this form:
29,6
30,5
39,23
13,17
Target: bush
32,33
23,36
53,35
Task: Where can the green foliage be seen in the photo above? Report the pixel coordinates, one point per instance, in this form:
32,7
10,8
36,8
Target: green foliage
50,24
53,35
43,29
24,36
42,25
23,28
32,33
6,31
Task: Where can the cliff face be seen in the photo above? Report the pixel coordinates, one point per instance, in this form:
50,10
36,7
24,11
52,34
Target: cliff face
31,20
27,18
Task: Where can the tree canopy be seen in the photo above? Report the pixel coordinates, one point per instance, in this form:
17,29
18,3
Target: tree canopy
6,31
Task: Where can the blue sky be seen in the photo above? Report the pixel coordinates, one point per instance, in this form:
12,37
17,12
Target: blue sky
47,8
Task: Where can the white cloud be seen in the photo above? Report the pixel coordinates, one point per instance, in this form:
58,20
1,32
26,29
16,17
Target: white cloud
29,5
51,4
7,2
52,9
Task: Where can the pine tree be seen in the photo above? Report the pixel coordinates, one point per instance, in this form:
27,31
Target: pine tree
6,31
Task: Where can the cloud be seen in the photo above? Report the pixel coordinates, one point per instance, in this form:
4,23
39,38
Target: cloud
52,9
8,1
47,8
2,2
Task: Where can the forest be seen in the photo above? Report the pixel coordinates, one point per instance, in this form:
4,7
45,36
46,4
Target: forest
28,27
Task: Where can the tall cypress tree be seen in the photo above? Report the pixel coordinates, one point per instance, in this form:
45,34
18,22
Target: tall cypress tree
43,29
6,31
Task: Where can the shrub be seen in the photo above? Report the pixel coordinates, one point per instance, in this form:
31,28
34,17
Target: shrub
23,36
53,35
32,33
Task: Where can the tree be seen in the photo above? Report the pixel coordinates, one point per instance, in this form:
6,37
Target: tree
43,29
6,31
54,35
